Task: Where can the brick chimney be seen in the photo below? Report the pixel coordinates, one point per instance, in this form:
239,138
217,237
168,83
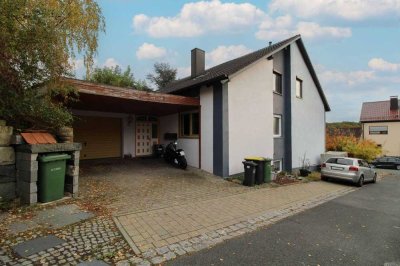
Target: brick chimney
394,103
198,62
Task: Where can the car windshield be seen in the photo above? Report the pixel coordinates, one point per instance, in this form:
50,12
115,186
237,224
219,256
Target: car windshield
341,161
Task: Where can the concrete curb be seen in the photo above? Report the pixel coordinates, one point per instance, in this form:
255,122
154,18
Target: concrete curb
126,236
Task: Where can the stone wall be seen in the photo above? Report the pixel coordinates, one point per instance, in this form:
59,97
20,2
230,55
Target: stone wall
7,164
28,167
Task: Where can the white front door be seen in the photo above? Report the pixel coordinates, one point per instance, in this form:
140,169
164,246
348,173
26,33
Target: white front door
144,144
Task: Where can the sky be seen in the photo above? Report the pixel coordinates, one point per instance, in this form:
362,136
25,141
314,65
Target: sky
353,45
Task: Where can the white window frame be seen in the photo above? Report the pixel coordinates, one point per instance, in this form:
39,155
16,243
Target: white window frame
299,81
280,126
275,74
378,132
273,165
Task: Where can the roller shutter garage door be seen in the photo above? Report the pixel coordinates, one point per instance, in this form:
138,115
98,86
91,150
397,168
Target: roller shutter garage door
100,136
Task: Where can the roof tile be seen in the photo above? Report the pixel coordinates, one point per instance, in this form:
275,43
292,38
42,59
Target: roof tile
227,68
378,111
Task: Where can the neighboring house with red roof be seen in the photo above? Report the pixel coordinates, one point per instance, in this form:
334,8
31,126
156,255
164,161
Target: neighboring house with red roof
381,123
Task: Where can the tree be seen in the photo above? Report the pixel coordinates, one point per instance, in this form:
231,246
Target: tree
115,77
163,75
38,42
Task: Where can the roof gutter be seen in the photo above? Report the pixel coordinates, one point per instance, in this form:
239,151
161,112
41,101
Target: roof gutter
313,74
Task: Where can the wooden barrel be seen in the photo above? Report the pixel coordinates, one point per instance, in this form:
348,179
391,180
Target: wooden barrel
66,135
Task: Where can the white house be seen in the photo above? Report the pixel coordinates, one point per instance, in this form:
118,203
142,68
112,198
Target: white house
267,103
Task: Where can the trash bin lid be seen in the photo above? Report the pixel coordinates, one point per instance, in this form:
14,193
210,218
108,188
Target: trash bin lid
54,157
249,163
255,158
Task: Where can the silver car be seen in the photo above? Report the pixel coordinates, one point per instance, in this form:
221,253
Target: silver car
355,170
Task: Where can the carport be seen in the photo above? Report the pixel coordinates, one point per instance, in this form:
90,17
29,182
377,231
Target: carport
116,122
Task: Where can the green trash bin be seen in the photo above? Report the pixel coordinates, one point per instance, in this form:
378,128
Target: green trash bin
267,170
263,174
51,176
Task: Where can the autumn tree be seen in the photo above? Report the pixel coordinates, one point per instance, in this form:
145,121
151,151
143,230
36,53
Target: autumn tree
38,42
115,77
163,75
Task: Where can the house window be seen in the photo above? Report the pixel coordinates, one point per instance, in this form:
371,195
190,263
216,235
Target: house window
299,88
189,125
277,166
378,130
277,127
154,130
277,83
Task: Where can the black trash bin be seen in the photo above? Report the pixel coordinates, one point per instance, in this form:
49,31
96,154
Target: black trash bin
260,169
249,173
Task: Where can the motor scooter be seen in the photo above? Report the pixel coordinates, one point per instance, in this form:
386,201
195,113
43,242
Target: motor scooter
175,156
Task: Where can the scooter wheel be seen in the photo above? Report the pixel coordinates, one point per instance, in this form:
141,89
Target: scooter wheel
182,163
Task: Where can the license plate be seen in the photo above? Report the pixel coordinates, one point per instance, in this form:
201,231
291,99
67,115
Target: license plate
336,168
182,153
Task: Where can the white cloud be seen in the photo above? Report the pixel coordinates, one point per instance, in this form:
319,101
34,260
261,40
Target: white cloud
183,72
225,53
77,67
150,51
349,10
76,64
110,62
312,30
350,78
347,90
197,18
380,64
283,27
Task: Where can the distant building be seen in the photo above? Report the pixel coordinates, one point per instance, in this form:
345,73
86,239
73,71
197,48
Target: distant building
381,123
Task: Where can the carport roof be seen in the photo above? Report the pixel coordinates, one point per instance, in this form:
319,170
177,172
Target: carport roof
105,98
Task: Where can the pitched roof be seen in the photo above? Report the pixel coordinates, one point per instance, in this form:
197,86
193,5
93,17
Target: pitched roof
222,71
378,111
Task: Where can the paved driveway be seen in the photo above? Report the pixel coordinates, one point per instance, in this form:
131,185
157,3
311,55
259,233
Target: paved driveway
144,184
164,212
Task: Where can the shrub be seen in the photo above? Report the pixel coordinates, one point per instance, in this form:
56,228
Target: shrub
314,176
363,149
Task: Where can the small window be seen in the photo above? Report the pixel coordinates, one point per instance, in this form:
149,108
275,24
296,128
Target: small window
189,125
277,166
378,130
277,127
154,131
277,83
299,88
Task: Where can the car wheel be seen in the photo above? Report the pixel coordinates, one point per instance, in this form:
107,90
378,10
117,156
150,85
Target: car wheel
398,167
360,182
374,180
324,178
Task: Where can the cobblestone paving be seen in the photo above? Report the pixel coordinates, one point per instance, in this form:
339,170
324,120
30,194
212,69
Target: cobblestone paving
151,184
97,238
165,233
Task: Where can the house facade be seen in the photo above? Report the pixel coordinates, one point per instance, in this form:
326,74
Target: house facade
268,103
381,123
